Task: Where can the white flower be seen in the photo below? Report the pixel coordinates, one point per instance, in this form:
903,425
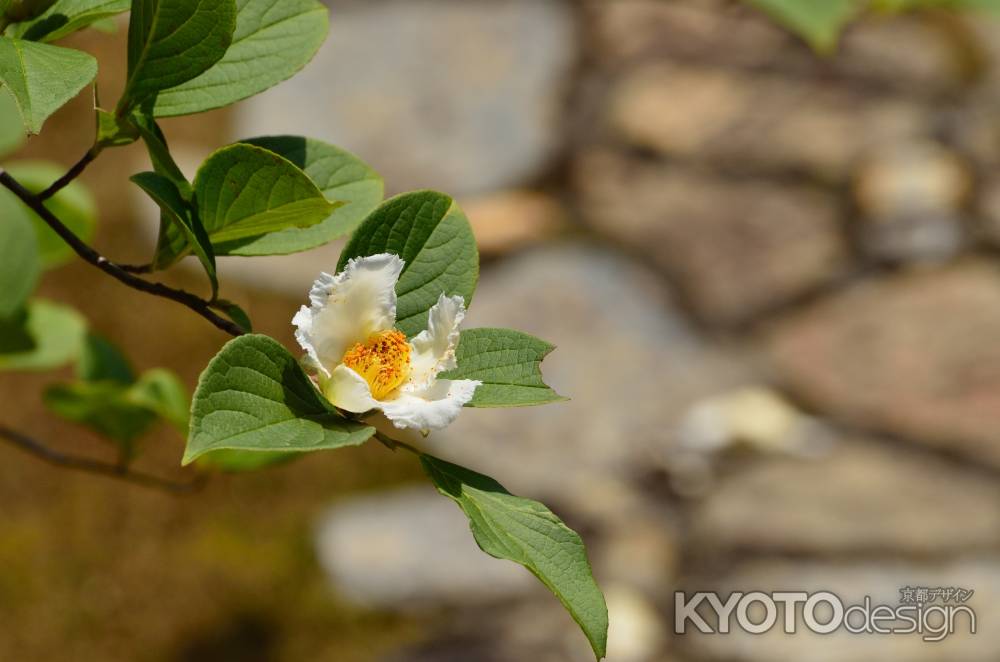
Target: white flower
363,363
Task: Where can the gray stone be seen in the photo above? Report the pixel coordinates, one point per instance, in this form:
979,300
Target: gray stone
625,357
757,121
914,354
881,580
736,246
864,497
408,549
912,198
458,96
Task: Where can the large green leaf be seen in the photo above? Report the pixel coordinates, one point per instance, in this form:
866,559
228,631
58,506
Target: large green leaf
817,21
47,336
19,261
67,16
73,205
244,192
173,41
254,396
526,532
273,40
11,130
508,363
341,176
433,237
42,77
183,217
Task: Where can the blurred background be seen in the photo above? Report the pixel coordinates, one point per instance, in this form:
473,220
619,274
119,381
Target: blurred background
773,280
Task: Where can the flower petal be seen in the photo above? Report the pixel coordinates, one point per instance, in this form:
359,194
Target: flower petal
432,408
347,308
349,391
433,350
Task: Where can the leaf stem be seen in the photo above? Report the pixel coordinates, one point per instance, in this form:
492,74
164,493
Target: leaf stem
393,444
116,470
71,174
91,256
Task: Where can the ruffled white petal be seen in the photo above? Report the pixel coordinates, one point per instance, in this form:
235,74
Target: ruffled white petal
433,349
349,391
347,308
432,408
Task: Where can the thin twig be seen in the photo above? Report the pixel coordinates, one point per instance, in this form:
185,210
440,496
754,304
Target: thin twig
91,256
71,174
86,464
136,268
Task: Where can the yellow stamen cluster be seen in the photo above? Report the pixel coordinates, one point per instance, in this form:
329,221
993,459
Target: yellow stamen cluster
383,360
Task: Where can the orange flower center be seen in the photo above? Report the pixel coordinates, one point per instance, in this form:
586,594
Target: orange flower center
383,360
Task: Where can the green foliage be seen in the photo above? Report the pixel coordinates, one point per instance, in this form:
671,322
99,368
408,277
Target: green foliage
11,131
433,237
508,363
19,262
232,461
341,176
236,314
182,217
73,206
67,16
818,22
244,192
107,398
254,405
254,396
101,361
526,532
43,336
42,77
279,38
173,41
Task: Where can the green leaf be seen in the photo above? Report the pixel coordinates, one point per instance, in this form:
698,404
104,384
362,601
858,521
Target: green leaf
103,407
508,363
244,192
433,237
173,41
24,10
819,22
101,361
254,396
235,313
54,333
161,391
20,265
73,205
526,532
114,131
230,461
67,16
340,175
159,154
11,131
183,217
273,40
42,77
